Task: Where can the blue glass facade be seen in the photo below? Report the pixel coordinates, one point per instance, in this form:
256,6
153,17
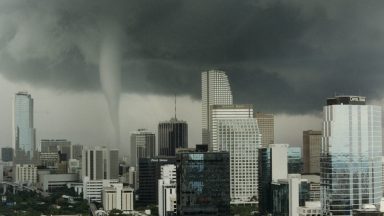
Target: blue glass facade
24,133
350,167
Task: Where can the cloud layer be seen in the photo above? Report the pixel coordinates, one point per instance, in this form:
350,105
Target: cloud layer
283,56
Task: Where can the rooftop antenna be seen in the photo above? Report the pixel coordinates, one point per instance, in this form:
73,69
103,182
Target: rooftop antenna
175,107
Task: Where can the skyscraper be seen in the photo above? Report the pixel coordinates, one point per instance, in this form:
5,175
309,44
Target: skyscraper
23,131
215,90
311,151
56,145
233,129
100,163
172,134
350,167
143,145
266,124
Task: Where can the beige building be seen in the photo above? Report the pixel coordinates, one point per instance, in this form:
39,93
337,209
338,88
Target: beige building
311,151
26,173
266,124
117,197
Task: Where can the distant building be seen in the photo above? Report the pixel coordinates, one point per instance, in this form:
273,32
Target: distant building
50,182
311,151
149,174
143,145
167,190
266,124
24,142
116,196
215,90
295,161
26,173
7,154
56,145
74,166
203,183
50,160
172,134
92,189
100,163
76,152
351,155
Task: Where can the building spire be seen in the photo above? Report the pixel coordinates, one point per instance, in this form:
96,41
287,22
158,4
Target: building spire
175,107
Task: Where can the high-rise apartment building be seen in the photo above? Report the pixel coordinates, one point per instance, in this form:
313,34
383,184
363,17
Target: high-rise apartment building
23,130
172,134
143,145
167,190
203,183
266,124
350,167
100,163
25,174
215,90
311,151
116,196
233,129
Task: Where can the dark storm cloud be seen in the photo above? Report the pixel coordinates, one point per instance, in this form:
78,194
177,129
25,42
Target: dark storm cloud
283,56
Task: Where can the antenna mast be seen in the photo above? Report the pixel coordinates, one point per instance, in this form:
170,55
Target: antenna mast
175,107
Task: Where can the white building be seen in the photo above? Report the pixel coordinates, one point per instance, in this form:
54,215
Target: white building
215,90
26,173
234,129
310,209
167,189
100,163
74,166
92,188
118,197
279,161
48,181
351,166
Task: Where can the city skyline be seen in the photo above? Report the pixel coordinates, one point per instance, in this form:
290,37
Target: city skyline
280,70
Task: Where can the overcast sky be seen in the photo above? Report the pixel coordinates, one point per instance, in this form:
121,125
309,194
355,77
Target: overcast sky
285,57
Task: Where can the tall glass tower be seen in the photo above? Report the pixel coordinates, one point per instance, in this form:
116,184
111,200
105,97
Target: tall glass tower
215,90
23,130
350,163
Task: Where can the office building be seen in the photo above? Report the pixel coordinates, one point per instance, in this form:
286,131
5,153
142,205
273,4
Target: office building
6,154
100,163
50,182
172,134
74,166
266,124
235,130
143,145
220,112
49,160
314,186
203,183
25,174
215,90
57,145
295,161
24,142
76,152
92,189
167,190
288,194
350,167
311,151
116,196
149,174
272,166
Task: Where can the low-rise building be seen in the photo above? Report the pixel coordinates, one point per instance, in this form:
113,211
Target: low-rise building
92,188
116,196
49,182
25,174
310,209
